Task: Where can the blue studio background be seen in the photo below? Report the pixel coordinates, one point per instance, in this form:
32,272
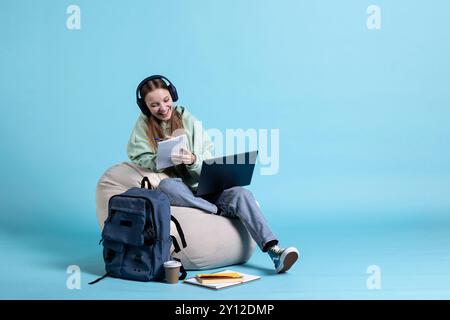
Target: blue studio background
363,114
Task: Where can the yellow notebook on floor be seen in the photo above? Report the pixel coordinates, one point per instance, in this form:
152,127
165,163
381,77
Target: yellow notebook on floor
222,279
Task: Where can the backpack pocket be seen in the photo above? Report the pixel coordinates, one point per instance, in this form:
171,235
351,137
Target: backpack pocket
138,263
113,253
125,225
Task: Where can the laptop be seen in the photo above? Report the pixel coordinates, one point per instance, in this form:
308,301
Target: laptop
226,172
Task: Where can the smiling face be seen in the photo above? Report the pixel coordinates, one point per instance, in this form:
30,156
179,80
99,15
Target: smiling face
160,104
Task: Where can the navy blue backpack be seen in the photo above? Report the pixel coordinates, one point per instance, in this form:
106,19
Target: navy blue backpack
136,236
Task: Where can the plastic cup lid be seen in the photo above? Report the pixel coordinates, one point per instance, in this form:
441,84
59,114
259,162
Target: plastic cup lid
172,264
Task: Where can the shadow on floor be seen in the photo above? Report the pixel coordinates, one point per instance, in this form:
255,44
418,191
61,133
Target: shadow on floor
63,245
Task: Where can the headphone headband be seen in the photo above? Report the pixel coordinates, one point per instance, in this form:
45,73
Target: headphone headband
140,100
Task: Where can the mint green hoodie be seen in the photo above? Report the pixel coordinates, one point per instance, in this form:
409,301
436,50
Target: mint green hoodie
143,154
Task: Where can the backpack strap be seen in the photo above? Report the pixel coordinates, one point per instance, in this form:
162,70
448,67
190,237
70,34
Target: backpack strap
146,180
98,279
182,270
180,233
148,232
175,244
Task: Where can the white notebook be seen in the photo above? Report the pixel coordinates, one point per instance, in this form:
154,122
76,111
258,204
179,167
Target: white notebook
216,286
165,149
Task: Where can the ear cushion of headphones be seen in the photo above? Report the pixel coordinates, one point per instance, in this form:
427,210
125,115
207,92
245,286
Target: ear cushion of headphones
143,106
173,92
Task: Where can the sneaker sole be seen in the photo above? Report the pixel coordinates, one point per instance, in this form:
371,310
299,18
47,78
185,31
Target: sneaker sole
288,261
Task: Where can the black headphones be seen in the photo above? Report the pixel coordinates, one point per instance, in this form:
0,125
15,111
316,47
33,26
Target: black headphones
140,100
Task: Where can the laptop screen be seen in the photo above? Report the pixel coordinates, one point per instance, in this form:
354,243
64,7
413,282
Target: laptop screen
226,172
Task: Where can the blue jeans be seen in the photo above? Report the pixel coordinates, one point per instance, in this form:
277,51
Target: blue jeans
236,202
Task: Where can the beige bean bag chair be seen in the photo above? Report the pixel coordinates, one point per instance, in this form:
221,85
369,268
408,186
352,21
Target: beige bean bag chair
212,241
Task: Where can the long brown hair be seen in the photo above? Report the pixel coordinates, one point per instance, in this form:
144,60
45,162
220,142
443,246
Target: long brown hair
154,128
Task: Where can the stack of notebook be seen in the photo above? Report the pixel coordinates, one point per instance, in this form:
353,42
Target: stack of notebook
221,279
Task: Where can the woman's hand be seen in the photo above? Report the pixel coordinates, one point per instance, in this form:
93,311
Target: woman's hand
183,156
